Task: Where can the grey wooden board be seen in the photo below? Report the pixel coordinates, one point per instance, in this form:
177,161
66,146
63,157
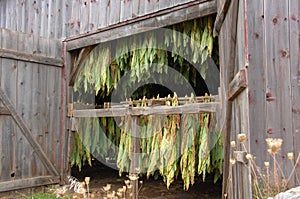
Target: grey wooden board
278,82
166,4
8,129
84,16
103,13
24,104
257,83
93,19
227,60
114,12
156,110
294,25
29,182
126,9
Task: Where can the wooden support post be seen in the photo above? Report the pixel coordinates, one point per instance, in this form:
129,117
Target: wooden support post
134,166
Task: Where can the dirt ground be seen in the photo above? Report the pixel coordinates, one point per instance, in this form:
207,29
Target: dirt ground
151,189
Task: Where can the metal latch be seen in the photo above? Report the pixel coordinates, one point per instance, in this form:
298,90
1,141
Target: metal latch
240,156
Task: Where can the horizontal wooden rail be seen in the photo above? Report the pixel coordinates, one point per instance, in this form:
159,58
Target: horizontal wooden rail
157,110
28,182
27,57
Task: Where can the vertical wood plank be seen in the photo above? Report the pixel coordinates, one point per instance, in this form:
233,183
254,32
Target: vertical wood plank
54,95
94,7
24,104
18,15
58,24
27,21
75,19
35,118
51,19
149,6
44,17
126,10
142,7
278,78
30,16
84,16
257,82
103,13
135,8
165,4
8,83
294,26
66,18
114,14
2,14
37,17
227,62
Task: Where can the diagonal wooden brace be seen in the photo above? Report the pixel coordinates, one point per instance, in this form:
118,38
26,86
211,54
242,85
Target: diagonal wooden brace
26,132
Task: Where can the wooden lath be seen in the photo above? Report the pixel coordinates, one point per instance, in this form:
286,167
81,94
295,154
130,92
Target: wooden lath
27,133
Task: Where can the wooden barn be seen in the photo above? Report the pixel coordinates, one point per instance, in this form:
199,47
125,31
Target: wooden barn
45,45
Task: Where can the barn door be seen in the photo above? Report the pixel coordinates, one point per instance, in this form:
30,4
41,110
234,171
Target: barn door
234,93
31,143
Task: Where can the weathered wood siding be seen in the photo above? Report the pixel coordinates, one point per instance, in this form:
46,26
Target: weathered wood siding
273,32
267,43
66,18
34,87
233,61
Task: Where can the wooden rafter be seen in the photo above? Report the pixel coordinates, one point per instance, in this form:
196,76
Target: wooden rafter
79,63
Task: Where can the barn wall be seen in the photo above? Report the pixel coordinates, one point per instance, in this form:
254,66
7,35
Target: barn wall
34,88
66,18
233,61
273,72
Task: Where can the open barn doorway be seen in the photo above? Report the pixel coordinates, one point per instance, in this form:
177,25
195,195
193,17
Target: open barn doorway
146,106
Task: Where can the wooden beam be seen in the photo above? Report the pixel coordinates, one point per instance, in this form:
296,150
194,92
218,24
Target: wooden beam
34,58
221,17
136,111
237,85
79,63
26,132
162,18
28,183
4,111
